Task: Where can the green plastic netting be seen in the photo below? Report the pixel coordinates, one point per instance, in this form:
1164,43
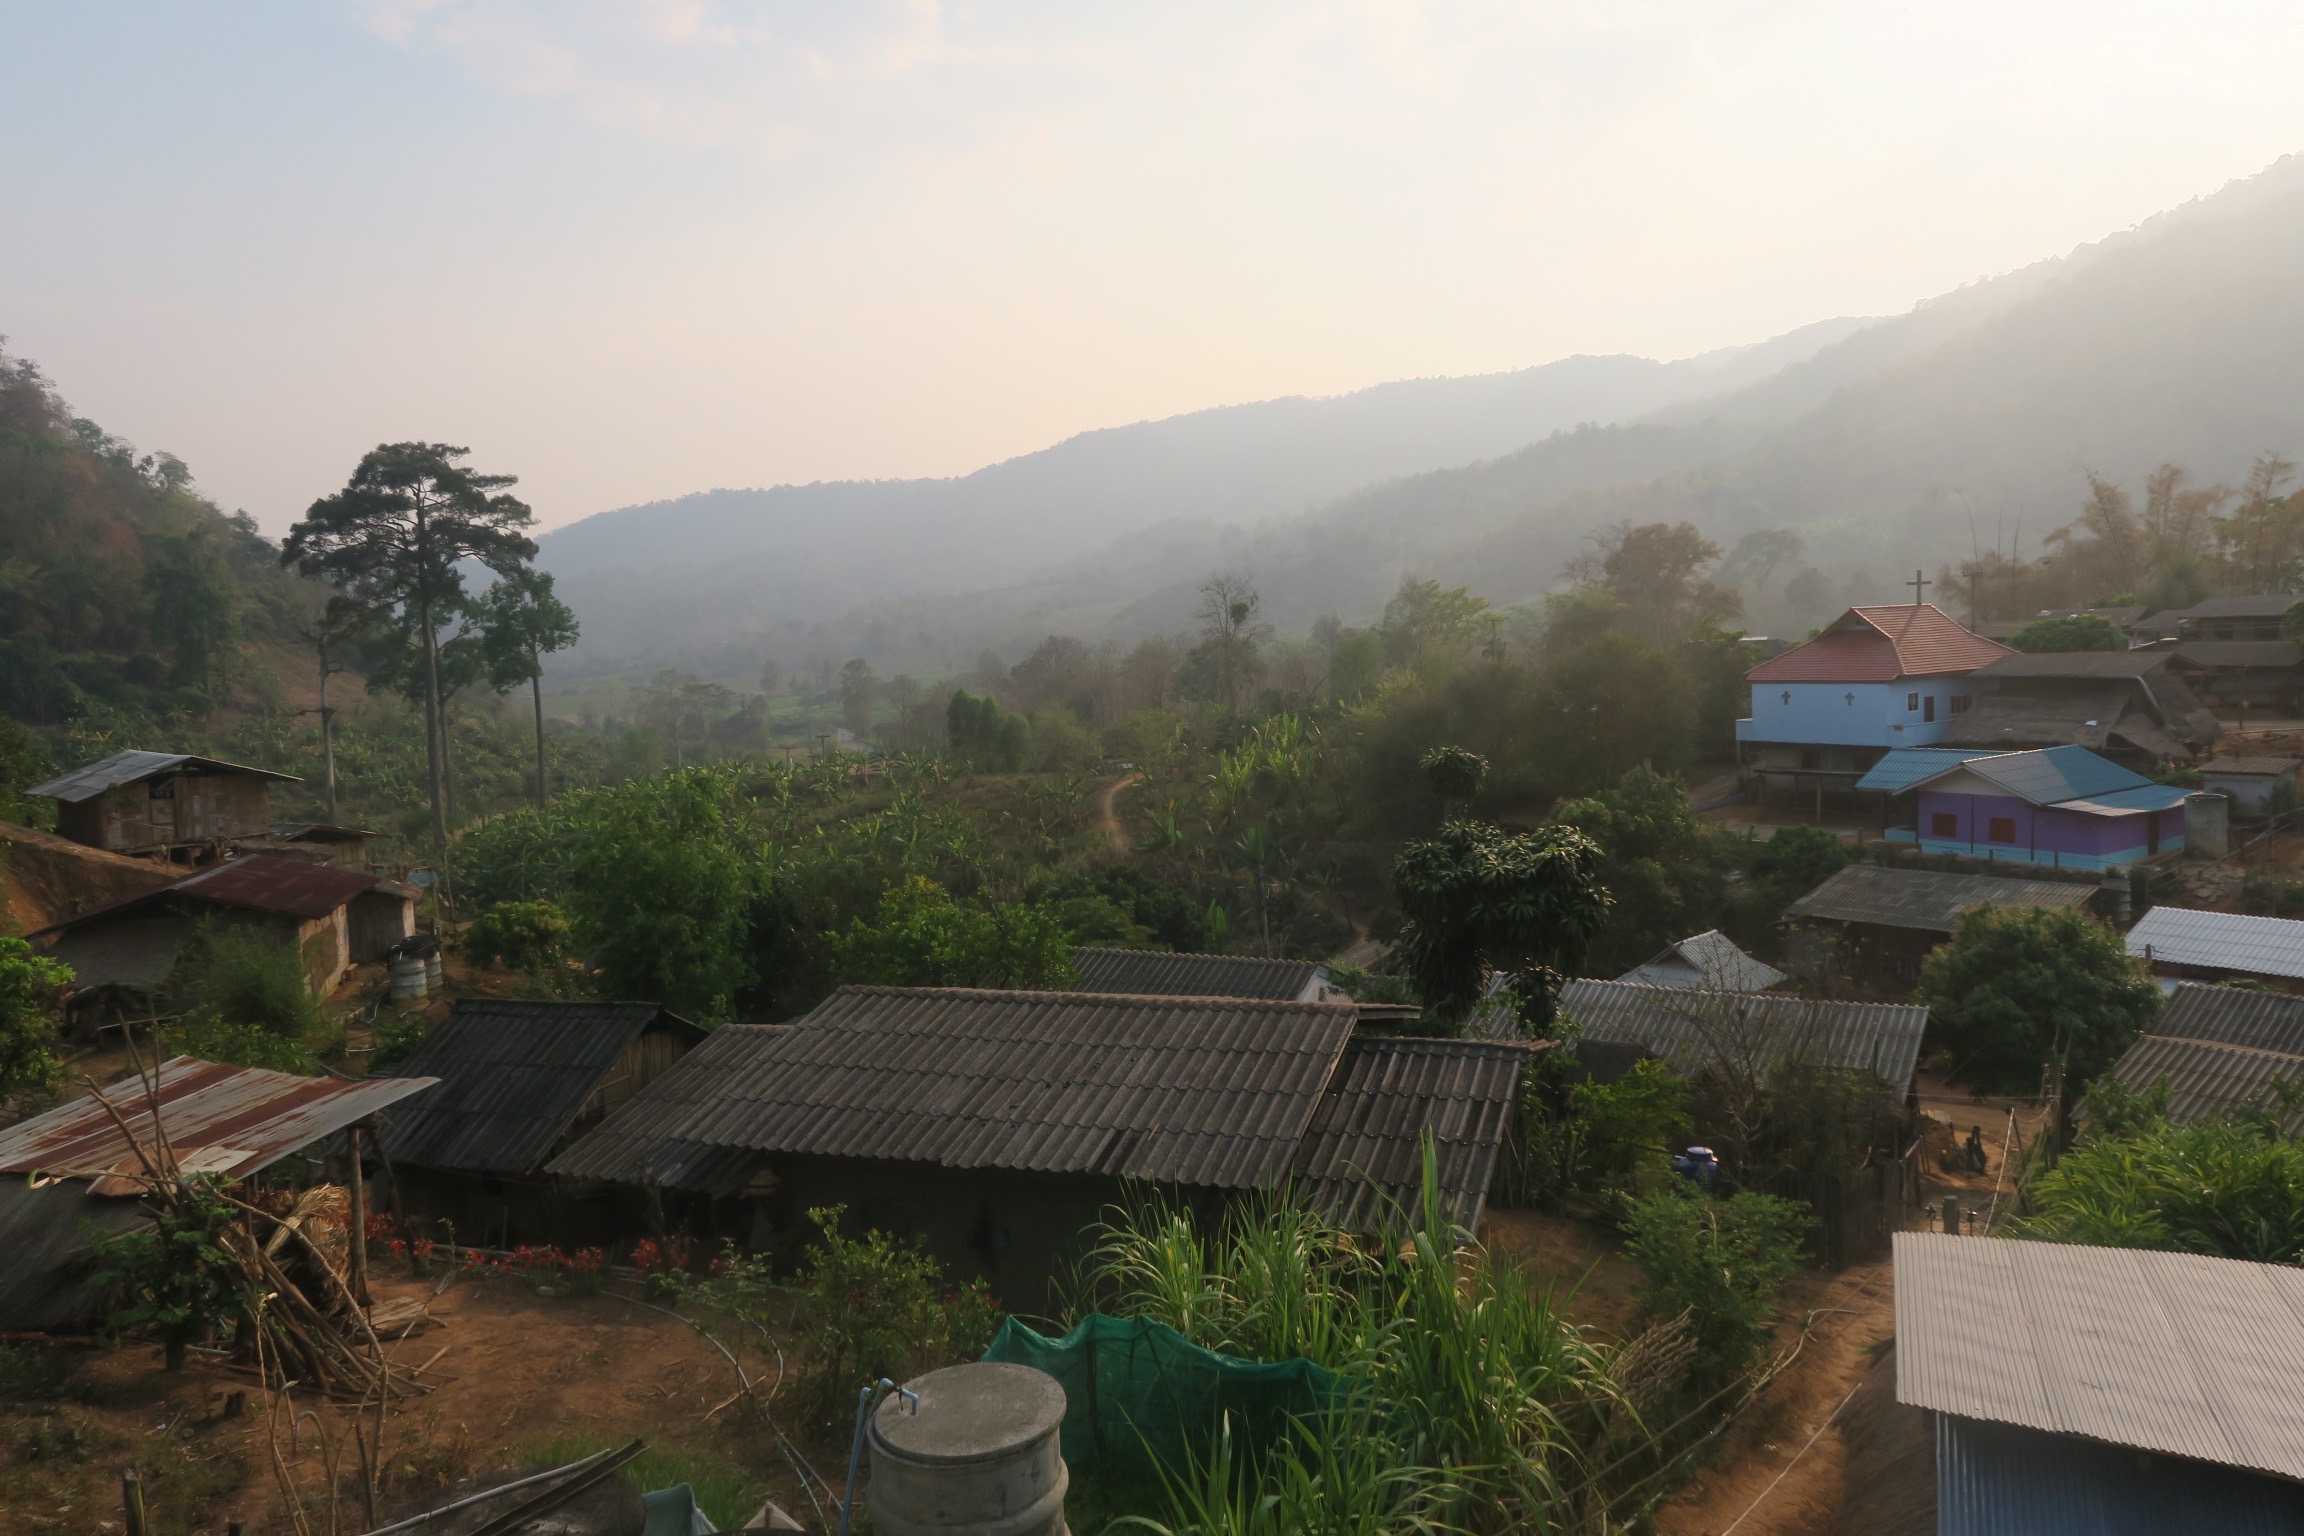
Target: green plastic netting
1138,1391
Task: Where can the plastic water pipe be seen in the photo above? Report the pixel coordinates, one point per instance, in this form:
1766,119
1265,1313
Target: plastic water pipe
866,1399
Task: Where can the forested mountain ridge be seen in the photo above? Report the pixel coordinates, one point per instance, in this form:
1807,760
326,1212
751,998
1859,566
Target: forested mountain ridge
671,579
121,586
2181,340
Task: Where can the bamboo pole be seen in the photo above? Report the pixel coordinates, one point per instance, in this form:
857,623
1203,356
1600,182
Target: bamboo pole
358,1187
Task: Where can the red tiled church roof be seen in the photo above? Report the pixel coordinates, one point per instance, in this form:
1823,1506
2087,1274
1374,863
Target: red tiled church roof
1881,644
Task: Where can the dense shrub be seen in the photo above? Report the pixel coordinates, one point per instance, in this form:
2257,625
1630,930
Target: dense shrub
241,976
519,935
30,985
1593,1140
2233,1187
171,1275
1718,1262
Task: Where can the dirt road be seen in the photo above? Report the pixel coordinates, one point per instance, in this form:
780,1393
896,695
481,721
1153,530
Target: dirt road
1108,818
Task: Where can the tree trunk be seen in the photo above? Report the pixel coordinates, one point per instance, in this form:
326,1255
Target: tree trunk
435,736
536,695
327,733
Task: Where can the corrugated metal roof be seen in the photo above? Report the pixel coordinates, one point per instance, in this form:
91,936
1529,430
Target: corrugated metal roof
2051,775
1926,898
1906,766
1707,959
1214,1092
2076,664
1995,1480
2124,802
2208,1078
1361,1161
2269,1021
2267,605
2220,941
2171,1352
257,882
2075,715
514,1074
2273,655
244,1118
1879,644
1158,973
49,1235
1692,1027
128,767
639,1143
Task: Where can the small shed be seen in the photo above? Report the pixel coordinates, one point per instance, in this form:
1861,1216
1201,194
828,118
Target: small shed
995,1127
1707,959
332,918
519,1079
1876,923
2185,944
166,803
1164,973
2109,1390
2256,786
68,1178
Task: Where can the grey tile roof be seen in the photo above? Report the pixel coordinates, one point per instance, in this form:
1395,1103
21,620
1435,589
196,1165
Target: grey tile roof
514,1075
1361,1162
2170,1352
1927,898
127,767
1707,959
2220,941
1996,1480
2275,766
1201,1091
1904,767
2207,1079
2075,664
1694,1027
2269,1021
2275,655
1158,973
641,1142
2268,605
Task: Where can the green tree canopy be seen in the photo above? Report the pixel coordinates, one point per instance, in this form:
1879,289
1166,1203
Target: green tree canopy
1478,900
2070,632
30,987
1658,865
924,936
2021,986
521,622
2234,1188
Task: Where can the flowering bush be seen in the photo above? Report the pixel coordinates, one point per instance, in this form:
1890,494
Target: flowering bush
663,1265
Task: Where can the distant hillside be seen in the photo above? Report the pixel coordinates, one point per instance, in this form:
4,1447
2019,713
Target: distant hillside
121,586
668,580
2182,340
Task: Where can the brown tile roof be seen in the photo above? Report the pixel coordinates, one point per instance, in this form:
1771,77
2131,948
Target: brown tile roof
1159,973
1881,644
1215,1092
1361,1163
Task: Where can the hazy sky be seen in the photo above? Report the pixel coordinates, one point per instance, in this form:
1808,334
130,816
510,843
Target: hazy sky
630,250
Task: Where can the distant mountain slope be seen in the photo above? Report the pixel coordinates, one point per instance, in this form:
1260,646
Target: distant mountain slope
662,581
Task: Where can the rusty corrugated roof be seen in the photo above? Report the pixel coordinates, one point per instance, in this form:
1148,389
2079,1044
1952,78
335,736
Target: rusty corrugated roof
1692,1027
1361,1161
224,1119
514,1074
1159,973
2172,1352
257,882
1202,1091
128,767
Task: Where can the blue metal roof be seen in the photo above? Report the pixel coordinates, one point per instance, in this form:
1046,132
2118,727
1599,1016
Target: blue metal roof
1907,766
2148,797
2051,775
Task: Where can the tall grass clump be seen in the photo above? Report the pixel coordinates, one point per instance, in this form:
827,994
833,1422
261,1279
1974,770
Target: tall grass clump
1468,1404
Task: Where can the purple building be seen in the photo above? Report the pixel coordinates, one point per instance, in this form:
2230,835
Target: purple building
2060,806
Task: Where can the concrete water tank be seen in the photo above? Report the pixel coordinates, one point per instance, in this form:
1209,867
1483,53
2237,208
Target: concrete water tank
979,1456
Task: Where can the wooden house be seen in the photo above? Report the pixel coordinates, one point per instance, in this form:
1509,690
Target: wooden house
1874,925
518,1080
2245,679
330,918
2137,708
1874,680
170,804
2258,617
997,1127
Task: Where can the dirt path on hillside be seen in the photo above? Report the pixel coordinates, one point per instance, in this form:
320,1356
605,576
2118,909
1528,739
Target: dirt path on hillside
1108,818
